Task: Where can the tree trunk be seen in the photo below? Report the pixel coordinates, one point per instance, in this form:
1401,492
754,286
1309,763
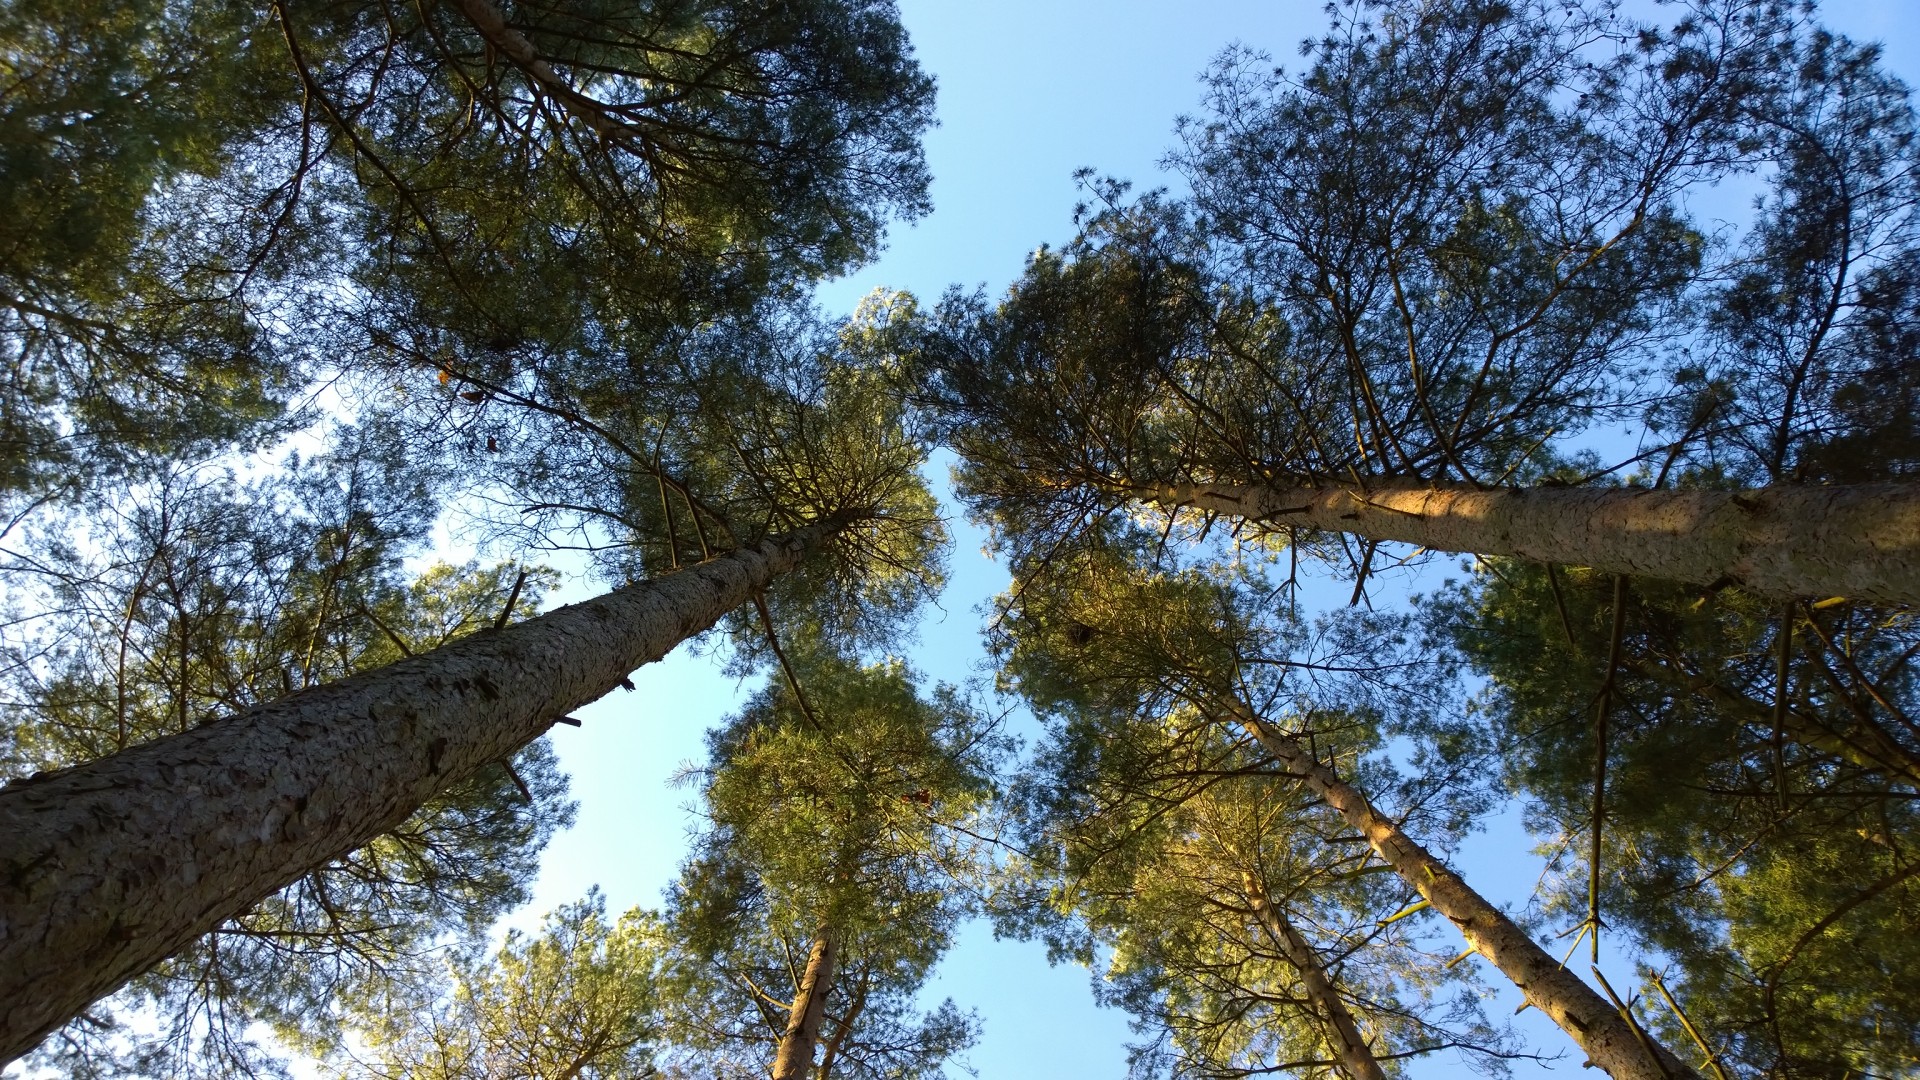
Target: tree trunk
1355,1059
107,868
795,1057
1786,542
843,1027
1596,1026
492,25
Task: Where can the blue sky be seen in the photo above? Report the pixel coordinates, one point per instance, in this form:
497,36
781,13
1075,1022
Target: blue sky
1030,91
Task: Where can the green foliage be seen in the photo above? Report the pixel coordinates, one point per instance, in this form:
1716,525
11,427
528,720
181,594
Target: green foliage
1761,762
1449,241
1806,370
727,1007
199,597
608,208
118,339
211,203
858,786
1150,822
1452,241
571,241
853,810
1764,854
559,254
578,1000
1216,991
776,137
737,429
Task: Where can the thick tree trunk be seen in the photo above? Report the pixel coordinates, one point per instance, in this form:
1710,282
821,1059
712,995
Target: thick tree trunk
109,867
1355,1059
795,1057
1788,542
1595,1025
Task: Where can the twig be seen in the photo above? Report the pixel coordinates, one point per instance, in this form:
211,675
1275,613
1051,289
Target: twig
1626,1013
1686,1024
673,534
514,775
793,681
513,597
1560,605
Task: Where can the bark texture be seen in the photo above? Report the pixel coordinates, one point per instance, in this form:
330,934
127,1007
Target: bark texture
107,868
1356,1060
1595,1025
1788,542
794,1060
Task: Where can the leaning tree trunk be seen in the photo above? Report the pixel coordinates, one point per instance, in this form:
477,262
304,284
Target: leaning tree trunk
1788,542
1610,1041
1356,1060
108,868
795,1057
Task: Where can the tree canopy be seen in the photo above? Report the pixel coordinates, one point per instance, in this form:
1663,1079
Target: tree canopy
206,595
290,290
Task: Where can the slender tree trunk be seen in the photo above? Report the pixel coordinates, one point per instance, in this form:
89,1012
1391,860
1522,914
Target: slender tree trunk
1355,1059
843,1027
107,868
492,24
1595,1025
795,1057
1790,541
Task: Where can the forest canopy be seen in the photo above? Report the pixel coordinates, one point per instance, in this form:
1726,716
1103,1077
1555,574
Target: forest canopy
1429,454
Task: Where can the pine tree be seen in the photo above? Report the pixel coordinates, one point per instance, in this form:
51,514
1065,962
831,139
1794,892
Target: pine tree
1750,835
1131,642
734,153
1244,922
215,203
203,596
121,337
1410,271
339,763
1731,774
843,810
579,1001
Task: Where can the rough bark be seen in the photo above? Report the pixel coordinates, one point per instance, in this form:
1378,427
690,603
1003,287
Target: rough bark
1595,1025
1787,542
109,867
1356,1060
795,1057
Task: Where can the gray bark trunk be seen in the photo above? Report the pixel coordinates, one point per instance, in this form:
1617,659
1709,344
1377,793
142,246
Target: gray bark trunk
1787,542
1355,1059
109,867
1595,1025
795,1057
